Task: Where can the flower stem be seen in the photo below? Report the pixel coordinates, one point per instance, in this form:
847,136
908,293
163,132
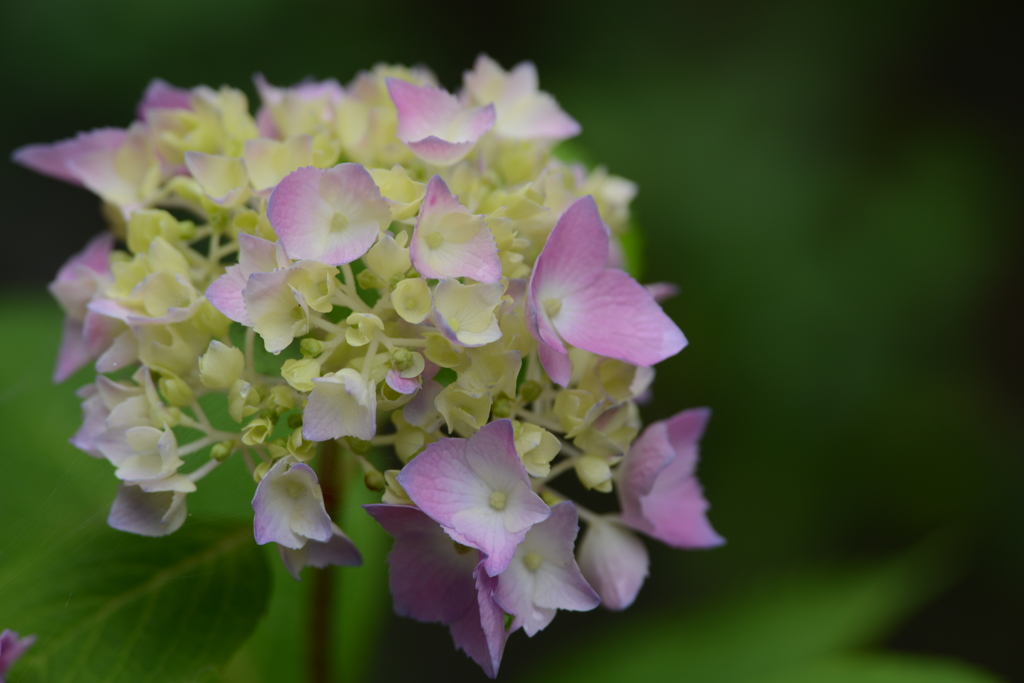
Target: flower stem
321,595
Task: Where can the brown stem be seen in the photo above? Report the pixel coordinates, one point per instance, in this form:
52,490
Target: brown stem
322,592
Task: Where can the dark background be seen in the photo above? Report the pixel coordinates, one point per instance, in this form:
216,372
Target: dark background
837,190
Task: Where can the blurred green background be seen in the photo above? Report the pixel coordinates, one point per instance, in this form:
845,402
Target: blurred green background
838,192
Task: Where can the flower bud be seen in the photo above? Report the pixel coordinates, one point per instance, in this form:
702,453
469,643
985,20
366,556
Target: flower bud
261,471
280,399
368,279
402,358
146,225
176,390
358,446
362,328
529,391
221,451
394,494
243,400
502,407
257,431
300,373
220,366
311,348
594,473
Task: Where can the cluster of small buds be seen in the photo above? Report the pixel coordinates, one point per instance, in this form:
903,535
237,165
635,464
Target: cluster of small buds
425,274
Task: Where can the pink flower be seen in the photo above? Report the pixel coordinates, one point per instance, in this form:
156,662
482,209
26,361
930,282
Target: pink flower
523,111
86,334
289,507
339,551
11,649
574,298
256,255
333,215
614,561
434,124
478,490
54,158
160,94
658,490
148,514
436,580
448,241
543,577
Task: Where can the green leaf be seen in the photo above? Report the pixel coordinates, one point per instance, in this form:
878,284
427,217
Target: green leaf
884,669
778,627
113,607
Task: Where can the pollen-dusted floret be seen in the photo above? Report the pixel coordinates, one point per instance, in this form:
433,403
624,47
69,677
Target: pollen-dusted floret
381,265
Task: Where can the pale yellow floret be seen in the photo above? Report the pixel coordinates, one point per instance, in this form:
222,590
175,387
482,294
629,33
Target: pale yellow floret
536,447
440,352
576,409
220,366
594,473
147,224
463,412
316,282
269,161
411,299
243,400
394,494
363,327
256,431
404,194
300,373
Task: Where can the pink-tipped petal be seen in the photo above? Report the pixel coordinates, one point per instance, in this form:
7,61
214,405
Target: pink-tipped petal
403,385
448,241
73,353
614,561
340,551
147,514
225,294
434,124
52,158
598,309
332,215
481,632
556,364
160,94
477,489
431,578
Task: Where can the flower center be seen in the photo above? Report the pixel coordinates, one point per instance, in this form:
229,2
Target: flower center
455,325
498,500
339,222
552,307
532,561
434,240
295,489
296,313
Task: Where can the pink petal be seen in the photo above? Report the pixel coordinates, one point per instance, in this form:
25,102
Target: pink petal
147,514
11,649
430,579
661,291
403,385
340,551
556,364
434,124
160,94
226,295
73,352
481,632
600,310
453,480
649,455
676,505
475,258
332,215
614,561
52,158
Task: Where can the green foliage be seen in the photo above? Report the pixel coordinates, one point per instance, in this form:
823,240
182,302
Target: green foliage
800,628
108,606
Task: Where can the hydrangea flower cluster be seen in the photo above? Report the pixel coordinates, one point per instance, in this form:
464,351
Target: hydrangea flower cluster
426,275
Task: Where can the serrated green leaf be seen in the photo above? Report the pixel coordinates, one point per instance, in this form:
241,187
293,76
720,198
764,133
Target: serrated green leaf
109,606
884,669
775,628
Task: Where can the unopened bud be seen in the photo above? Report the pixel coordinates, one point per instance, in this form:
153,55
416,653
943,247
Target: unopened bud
374,481
358,446
368,279
502,407
222,450
530,391
261,471
311,348
281,399
402,357
176,390
257,431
